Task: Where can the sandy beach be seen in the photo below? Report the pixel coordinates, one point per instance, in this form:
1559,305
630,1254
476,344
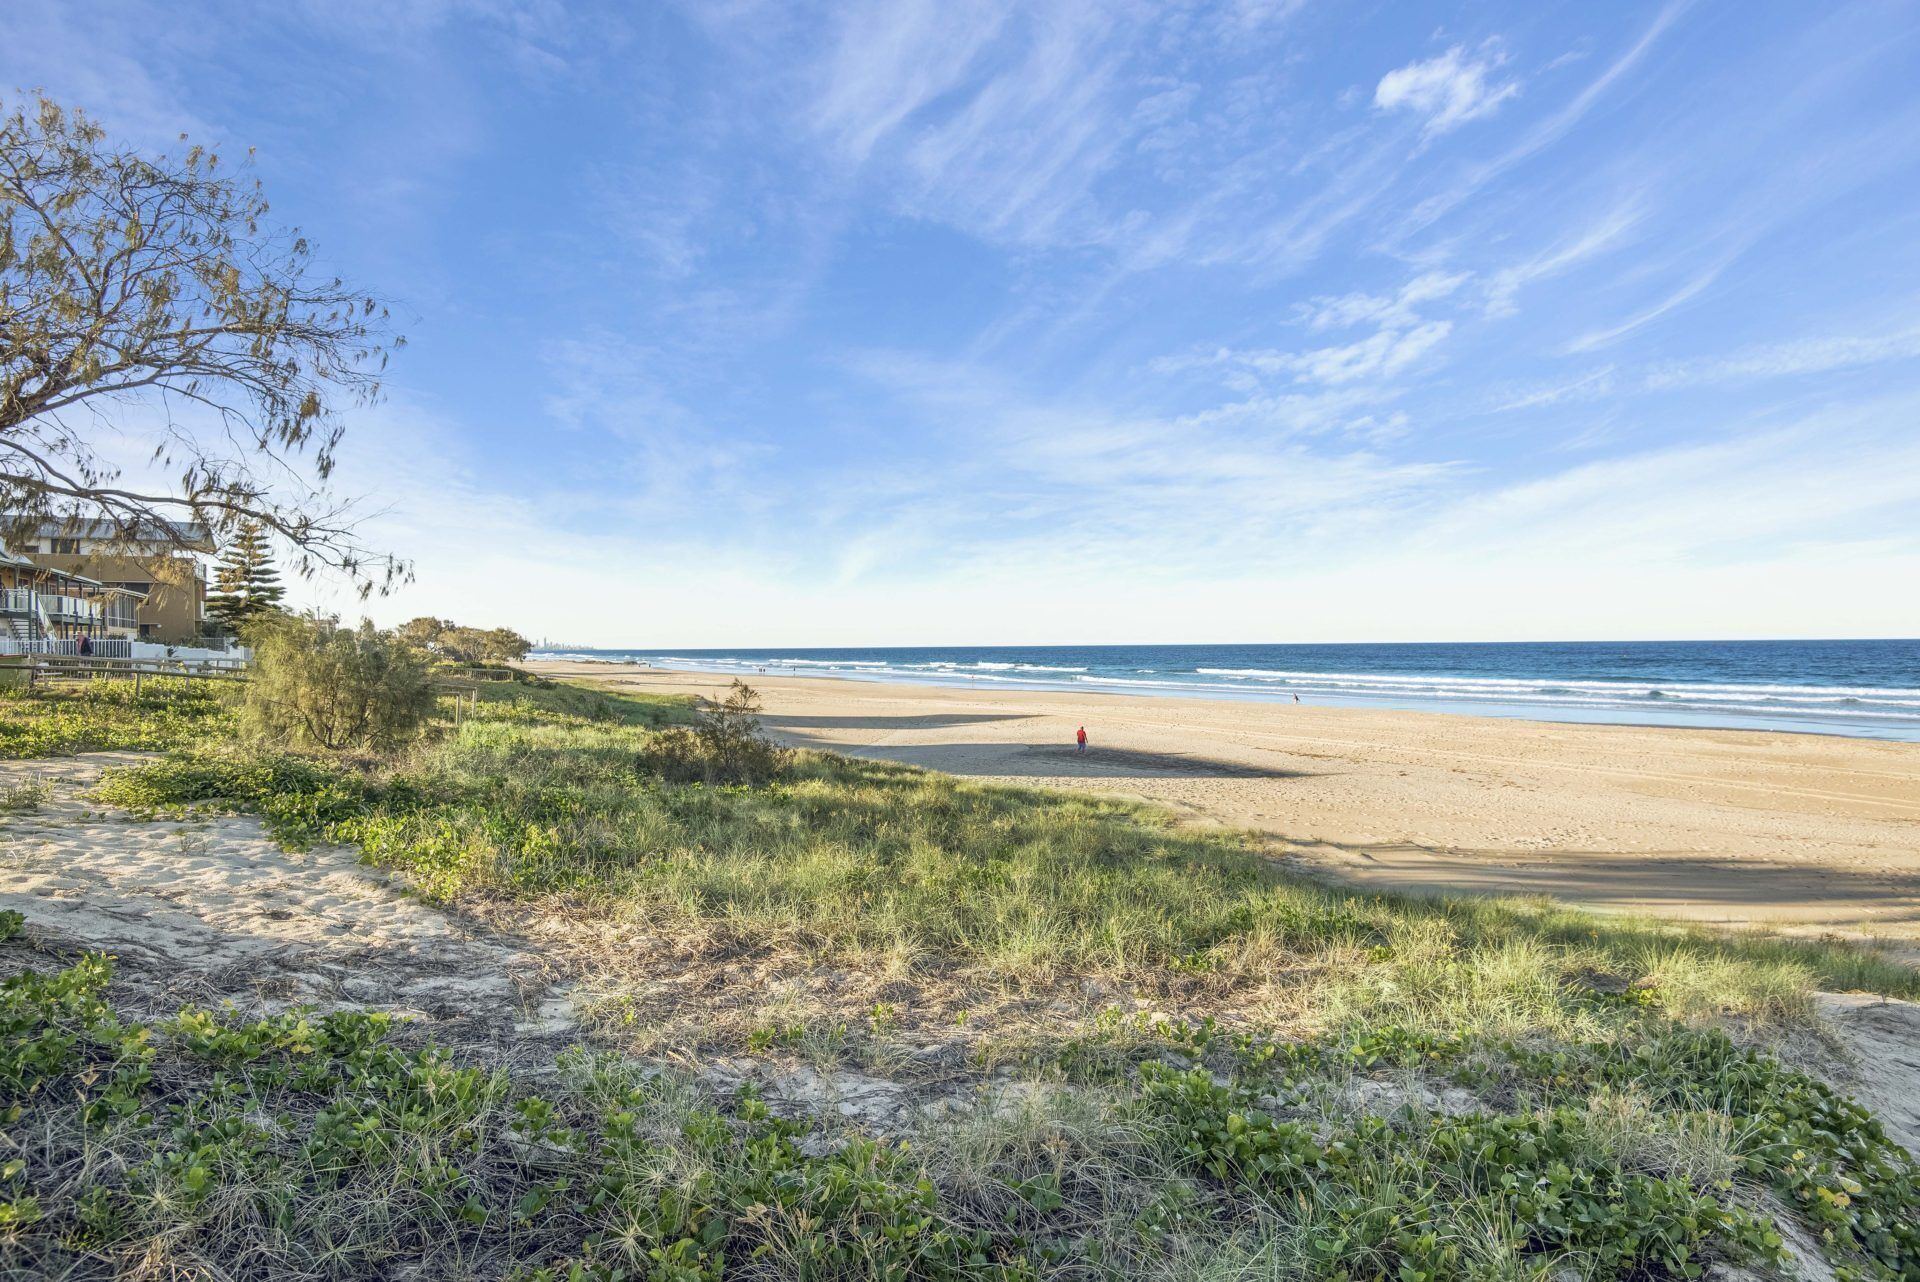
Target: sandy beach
1732,827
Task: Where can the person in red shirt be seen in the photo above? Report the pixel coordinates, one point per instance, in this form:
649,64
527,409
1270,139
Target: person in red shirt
1081,738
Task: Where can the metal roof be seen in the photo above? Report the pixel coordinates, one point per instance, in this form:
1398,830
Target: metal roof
192,534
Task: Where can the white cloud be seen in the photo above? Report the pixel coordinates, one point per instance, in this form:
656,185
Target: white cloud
1550,130
1130,530
890,60
1382,355
131,87
1742,498
1597,383
1391,310
1377,357
1448,90
1401,338
1798,356
1762,361
1606,232
1685,293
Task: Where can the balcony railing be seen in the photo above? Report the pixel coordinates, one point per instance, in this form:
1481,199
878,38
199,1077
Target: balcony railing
115,611
61,606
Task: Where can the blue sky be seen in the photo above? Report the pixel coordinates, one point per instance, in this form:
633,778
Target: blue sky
894,323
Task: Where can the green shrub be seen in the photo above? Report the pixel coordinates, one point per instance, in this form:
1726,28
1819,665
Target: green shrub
724,746
319,685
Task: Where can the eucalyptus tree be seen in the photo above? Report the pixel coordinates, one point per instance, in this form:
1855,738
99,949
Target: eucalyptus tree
155,324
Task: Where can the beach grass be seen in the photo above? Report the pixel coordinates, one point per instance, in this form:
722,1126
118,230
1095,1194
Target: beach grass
1179,1058
544,795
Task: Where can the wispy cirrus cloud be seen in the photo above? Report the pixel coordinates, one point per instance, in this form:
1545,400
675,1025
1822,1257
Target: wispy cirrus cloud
1381,355
1396,309
1746,367
1786,359
1605,233
1550,129
887,62
848,321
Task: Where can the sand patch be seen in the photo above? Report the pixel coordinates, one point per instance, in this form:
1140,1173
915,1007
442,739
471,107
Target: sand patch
210,910
1882,1039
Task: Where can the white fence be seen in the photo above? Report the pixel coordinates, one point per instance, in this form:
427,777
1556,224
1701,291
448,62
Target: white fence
238,656
101,647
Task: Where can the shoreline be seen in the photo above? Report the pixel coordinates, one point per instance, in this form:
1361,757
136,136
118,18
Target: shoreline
1617,703
1725,826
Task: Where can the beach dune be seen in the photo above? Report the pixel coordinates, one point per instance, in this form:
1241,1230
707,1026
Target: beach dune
1725,826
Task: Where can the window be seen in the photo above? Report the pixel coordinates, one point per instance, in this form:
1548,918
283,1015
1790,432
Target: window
66,547
29,549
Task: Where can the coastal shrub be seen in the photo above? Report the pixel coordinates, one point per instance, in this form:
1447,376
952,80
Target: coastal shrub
317,684
724,745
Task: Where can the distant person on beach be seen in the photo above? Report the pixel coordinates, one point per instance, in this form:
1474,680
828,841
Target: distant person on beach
1081,739
1296,698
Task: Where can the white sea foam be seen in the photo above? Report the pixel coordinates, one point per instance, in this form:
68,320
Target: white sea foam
1624,698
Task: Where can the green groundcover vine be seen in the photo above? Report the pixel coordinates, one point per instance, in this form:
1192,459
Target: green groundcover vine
325,1145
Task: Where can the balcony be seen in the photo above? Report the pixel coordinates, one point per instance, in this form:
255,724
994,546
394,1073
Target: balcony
16,601
70,608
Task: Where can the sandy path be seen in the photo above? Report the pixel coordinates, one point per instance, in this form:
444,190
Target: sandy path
210,909
1724,826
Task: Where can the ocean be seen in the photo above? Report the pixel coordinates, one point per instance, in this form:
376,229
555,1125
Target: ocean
1869,689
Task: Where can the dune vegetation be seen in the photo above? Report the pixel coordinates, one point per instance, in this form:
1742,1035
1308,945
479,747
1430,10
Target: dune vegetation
1105,1044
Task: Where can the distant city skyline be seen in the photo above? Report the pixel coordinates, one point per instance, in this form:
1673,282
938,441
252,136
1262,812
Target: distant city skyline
750,324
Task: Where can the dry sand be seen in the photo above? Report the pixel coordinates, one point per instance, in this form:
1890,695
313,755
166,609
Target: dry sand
210,910
1726,826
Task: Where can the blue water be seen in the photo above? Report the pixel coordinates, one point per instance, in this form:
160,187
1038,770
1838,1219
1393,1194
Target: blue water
1864,688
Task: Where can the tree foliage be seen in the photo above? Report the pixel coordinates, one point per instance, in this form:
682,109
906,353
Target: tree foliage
316,684
245,584
151,297
450,640
422,633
